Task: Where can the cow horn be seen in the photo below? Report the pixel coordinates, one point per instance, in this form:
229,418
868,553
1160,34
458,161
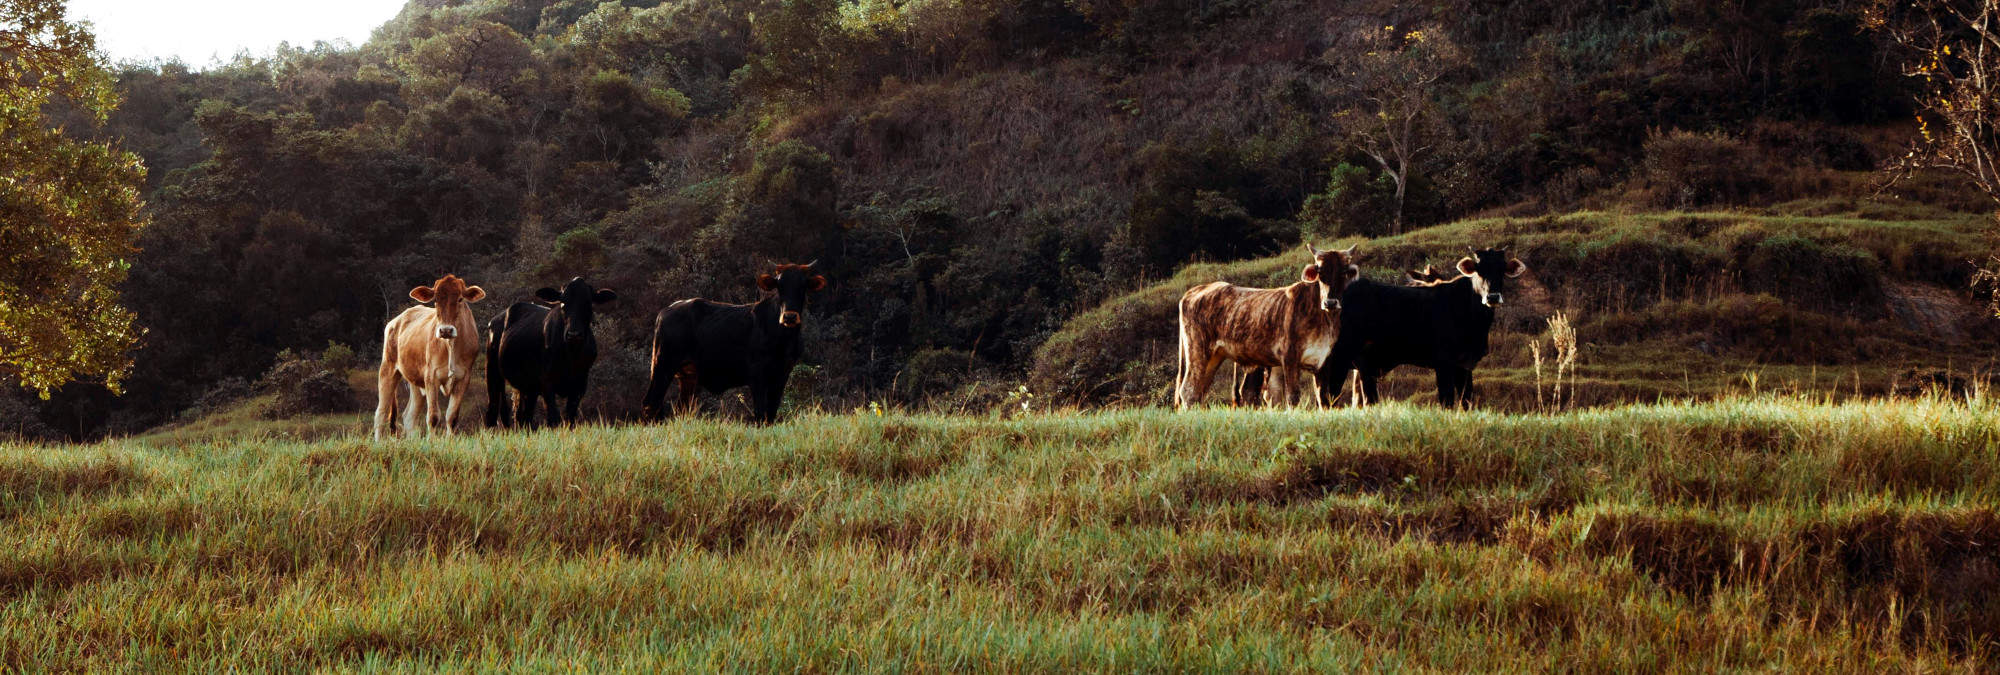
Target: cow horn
1349,253
814,262
1313,249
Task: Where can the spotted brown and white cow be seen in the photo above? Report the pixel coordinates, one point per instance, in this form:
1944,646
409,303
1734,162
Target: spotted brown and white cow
432,348
1288,329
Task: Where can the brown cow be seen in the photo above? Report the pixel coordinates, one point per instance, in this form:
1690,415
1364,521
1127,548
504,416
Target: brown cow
1290,329
432,348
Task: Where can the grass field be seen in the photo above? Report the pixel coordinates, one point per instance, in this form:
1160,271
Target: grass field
1734,535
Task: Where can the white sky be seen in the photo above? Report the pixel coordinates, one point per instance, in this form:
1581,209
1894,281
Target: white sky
198,31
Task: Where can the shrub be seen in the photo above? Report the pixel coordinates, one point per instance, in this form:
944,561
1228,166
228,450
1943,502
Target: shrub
1824,277
305,386
1689,169
1356,202
19,420
219,396
338,357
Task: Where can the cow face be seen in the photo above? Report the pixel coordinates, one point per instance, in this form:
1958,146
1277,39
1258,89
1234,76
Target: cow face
1489,270
453,300
578,303
791,283
1329,272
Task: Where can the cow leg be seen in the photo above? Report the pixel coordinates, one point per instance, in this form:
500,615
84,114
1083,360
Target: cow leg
1464,388
433,409
418,401
574,410
1447,381
1369,394
496,385
1333,371
553,412
454,394
1200,377
1250,389
656,393
688,396
385,401
524,407
774,396
1197,370
499,408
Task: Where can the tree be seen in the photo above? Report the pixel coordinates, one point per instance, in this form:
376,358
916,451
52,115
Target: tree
1388,77
1955,45
69,208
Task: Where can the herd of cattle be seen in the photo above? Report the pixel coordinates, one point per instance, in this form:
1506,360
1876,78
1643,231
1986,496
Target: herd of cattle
545,351
1332,322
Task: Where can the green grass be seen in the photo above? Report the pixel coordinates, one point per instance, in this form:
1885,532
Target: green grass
1742,534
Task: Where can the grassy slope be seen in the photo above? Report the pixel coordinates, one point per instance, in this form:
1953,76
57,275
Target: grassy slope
1737,534
1123,350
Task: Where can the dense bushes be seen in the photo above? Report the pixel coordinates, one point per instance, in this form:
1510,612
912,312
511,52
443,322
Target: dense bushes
310,384
1691,169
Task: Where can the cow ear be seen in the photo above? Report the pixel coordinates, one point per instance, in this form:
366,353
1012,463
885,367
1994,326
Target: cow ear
604,295
549,295
474,294
1353,272
1309,274
817,283
423,294
767,282
1468,266
1516,268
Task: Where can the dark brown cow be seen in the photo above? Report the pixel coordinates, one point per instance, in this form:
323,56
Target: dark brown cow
1290,329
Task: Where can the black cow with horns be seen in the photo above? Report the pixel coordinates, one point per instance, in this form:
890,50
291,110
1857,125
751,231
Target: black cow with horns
545,352
705,344
1442,326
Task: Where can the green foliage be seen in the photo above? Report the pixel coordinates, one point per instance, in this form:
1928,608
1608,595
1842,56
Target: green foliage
69,208
1208,201
1693,169
308,384
1357,202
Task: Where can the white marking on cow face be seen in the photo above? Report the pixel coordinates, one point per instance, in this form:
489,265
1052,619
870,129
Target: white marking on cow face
1330,273
1489,271
452,298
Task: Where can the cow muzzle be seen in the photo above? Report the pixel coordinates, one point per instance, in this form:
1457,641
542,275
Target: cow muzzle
789,319
1495,300
1330,304
573,336
447,332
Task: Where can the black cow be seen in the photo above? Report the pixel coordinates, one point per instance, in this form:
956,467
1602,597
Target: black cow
720,346
1442,326
545,352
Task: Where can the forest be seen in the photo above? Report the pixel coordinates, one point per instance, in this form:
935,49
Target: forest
970,175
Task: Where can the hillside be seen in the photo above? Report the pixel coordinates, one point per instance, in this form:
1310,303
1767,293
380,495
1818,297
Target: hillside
971,175
1749,534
